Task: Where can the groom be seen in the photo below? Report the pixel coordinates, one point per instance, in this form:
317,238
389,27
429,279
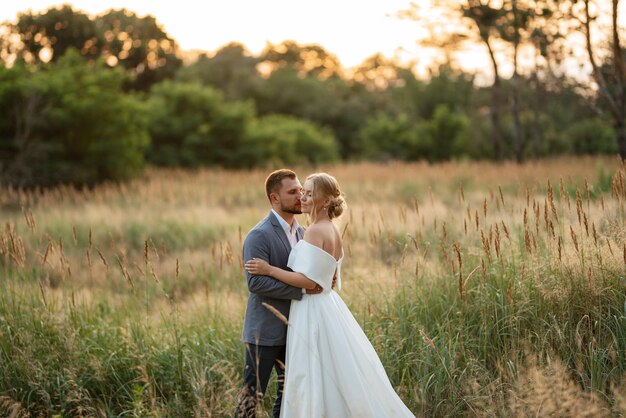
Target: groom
264,333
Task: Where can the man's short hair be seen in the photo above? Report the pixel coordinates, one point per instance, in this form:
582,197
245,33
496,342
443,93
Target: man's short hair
275,179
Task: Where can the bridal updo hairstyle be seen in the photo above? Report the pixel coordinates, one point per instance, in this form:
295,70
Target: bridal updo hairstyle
326,186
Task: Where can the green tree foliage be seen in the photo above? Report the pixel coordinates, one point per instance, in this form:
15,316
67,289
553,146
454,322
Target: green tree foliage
138,44
18,109
389,137
289,93
298,80
310,59
377,73
445,134
437,139
328,103
548,116
47,36
281,139
591,136
232,70
354,104
192,125
446,86
307,82
69,123
122,38
75,118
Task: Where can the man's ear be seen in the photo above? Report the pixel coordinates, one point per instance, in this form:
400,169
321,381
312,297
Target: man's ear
273,198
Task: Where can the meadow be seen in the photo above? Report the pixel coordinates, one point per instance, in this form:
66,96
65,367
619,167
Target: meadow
487,289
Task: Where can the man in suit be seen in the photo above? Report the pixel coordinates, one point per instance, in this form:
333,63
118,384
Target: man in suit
264,332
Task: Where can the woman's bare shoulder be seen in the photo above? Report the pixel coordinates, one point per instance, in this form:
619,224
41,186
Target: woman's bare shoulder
323,235
315,235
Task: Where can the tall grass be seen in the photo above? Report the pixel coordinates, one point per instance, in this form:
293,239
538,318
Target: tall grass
487,289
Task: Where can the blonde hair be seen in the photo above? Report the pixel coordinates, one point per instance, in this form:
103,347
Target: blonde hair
327,187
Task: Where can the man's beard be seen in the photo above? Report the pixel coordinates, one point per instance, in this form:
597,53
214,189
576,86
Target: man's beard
291,209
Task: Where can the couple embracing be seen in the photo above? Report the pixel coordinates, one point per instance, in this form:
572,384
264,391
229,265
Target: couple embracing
325,364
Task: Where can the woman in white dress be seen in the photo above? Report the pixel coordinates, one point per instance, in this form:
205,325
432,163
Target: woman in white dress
332,370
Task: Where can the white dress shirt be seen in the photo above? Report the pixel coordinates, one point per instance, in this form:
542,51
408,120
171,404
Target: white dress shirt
290,230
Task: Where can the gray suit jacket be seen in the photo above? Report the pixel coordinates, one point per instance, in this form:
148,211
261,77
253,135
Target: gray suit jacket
268,241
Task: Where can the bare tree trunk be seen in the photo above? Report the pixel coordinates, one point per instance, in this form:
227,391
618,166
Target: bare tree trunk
517,126
620,65
496,101
620,135
537,137
17,170
615,101
537,88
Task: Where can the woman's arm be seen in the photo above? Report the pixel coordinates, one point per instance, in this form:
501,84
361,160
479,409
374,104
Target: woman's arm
261,267
313,235
257,245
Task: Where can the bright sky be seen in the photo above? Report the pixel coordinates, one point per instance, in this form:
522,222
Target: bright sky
353,30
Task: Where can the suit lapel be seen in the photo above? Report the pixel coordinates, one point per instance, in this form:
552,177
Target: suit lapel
278,229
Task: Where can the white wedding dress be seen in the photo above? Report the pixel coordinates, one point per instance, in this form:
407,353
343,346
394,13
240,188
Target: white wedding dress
332,370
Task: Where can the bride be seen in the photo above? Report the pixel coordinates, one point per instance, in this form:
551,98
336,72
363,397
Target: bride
332,370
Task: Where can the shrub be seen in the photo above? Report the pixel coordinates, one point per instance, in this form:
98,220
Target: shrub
69,123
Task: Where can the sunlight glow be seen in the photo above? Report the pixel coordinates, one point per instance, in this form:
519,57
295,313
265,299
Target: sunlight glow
350,29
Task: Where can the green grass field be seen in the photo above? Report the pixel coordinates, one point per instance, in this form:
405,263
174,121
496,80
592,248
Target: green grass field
487,289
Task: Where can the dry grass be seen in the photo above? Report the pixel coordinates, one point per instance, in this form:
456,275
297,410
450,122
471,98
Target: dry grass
548,390
461,241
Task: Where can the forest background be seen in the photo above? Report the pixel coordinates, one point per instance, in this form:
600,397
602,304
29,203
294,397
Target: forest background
93,98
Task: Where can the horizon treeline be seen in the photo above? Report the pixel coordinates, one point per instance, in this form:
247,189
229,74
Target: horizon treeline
86,99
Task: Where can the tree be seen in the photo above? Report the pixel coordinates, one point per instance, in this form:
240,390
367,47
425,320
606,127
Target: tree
485,22
396,137
45,37
138,44
286,92
332,103
21,111
386,137
547,36
281,139
310,59
612,86
232,70
446,86
378,73
518,15
191,125
69,122
445,132
592,136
